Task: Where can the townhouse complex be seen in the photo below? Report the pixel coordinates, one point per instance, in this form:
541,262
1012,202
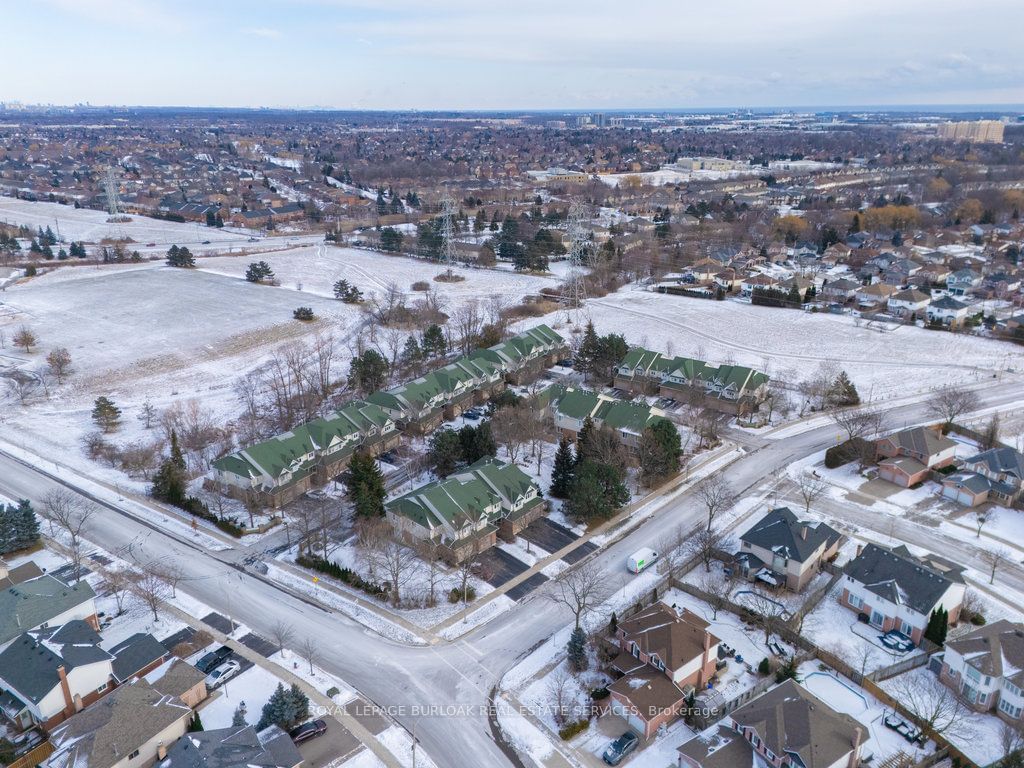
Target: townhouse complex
570,407
276,471
467,511
733,389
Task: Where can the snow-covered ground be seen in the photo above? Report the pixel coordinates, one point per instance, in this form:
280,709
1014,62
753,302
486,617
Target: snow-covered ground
792,345
90,226
314,270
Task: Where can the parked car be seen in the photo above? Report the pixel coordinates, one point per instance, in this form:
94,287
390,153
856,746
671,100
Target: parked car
222,674
206,242
619,748
640,559
308,731
213,659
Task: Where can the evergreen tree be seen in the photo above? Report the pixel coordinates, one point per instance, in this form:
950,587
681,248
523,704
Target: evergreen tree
596,493
445,452
365,486
583,439
106,415
588,351
613,623
434,343
480,220
170,482
238,718
843,392
561,474
391,239
938,625
660,449
411,353
369,371
285,708
793,298
19,528
258,271
576,650
195,723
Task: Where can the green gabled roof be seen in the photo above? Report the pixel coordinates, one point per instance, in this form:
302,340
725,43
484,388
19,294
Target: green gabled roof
331,427
235,464
507,479
281,453
691,369
631,417
386,400
577,403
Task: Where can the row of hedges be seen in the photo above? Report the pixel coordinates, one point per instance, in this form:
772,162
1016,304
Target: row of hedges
571,729
846,452
344,575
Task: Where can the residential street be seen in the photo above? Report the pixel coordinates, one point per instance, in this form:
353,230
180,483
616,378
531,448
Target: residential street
461,673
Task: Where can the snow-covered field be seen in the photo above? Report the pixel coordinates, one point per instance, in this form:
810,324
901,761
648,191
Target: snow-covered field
315,269
90,226
882,364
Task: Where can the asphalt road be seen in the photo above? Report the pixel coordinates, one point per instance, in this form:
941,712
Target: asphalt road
454,675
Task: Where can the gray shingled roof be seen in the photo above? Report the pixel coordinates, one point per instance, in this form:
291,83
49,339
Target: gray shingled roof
783,533
35,602
233,747
789,719
903,579
29,667
136,653
1002,460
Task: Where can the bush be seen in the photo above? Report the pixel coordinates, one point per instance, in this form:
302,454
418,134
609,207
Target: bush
977,620
304,313
332,692
765,667
845,452
571,729
598,694
421,285
455,595
345,575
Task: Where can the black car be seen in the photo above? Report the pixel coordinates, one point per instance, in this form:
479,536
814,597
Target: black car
619,748
308,731
213,659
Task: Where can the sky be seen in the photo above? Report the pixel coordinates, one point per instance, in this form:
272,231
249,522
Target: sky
519,55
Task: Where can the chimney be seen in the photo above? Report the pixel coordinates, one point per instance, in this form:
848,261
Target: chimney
5,570
858,736
705,657
69,702
803,533
161,751
860,548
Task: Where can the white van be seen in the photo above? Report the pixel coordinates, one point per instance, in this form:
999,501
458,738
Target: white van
640,559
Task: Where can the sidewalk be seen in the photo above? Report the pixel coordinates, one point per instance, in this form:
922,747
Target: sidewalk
349,722
689,476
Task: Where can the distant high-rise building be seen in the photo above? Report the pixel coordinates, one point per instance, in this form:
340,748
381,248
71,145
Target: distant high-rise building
981,131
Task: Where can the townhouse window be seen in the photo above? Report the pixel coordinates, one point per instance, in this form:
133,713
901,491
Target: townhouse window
973,674
133,755
1010,687
855,601
102,688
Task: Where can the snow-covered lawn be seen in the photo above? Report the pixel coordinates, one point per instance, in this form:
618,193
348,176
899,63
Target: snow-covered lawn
252,688
793,344
313,270
976,734
91,226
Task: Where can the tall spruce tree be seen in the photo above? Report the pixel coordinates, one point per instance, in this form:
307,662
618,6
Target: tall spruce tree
576,650
561,474
365,487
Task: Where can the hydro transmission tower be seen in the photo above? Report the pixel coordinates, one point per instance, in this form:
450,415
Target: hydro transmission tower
449,256
113,205
575,293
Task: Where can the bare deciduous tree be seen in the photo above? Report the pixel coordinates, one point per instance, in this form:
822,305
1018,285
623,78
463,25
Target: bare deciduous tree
716,496
812,487
704,544
994,558
560,690
116,583
390,557
857,422
770,610
282,633
950,403
718,589
310,650
70,513
150,587
580,590
933,705
512,428
59,363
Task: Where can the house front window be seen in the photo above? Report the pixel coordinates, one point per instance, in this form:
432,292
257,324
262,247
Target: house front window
1009,709
855,601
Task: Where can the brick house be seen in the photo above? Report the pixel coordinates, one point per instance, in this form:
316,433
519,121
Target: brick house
570,407
786,727
44,601
905,457
664,656
782,549
895,590
993,475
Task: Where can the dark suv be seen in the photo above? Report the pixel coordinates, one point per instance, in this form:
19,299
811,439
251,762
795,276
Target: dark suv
213,659
619,748
307,731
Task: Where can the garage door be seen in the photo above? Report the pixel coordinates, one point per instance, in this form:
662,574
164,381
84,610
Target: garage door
957,494
636,722
886,473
